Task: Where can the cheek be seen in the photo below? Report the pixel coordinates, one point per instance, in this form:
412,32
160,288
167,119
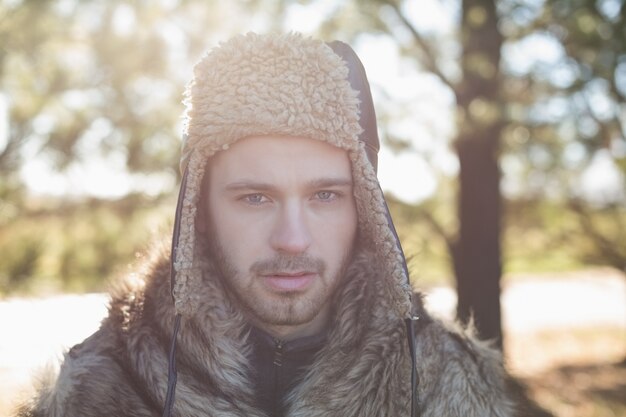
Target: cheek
335,233
240,237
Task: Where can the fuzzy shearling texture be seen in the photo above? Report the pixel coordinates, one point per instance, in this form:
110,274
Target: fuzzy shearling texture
282,85
363,370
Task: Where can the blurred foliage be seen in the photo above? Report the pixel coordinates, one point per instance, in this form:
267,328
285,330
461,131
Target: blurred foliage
76,87
79,246
569,105
541,236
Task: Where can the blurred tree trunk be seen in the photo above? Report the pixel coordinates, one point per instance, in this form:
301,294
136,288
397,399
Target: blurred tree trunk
477,256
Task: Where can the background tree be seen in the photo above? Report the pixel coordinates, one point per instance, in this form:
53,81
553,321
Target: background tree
476,252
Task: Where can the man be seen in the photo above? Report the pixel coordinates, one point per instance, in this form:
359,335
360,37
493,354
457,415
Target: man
289,287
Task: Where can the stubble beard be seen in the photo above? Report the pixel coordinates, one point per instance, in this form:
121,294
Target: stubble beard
286,308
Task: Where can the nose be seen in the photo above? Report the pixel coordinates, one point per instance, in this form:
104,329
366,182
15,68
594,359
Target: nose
291,233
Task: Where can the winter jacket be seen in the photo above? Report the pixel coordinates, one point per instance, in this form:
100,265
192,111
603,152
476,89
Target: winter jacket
278,366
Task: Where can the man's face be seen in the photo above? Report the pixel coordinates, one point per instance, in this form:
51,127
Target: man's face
282,221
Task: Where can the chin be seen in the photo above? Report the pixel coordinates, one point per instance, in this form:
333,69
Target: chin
281,313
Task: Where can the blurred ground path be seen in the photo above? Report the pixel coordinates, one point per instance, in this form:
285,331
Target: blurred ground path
34,331
534,303
557,319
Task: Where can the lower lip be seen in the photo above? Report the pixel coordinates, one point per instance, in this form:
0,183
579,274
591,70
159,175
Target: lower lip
288,283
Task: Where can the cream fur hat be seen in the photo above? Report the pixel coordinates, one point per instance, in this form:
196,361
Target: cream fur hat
283,85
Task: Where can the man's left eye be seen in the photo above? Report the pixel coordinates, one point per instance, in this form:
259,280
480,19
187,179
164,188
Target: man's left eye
326,195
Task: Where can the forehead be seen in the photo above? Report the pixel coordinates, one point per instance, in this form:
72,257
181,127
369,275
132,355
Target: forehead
279,157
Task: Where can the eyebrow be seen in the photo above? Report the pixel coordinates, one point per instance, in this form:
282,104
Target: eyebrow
262,186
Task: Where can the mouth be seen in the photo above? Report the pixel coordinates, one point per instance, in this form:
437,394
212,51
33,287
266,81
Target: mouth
289,281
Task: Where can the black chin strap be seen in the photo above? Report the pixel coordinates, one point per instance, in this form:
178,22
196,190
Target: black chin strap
171,373
415,407
410,322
